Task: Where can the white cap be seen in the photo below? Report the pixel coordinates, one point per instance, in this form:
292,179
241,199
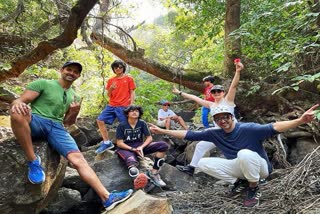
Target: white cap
220,109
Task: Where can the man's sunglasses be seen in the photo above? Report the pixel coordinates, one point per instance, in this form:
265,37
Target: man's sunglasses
64,97
223,117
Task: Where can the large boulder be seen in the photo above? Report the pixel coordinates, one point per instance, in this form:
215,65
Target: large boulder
141,203
17,194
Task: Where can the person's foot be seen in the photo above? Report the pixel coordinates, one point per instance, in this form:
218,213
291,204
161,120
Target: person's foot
133,172
263,182
116,198
104,146
252,197
187,169
156,179
35,173
238,187
140,181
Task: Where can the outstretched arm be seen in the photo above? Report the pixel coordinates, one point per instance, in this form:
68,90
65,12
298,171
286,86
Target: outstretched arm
307,117
234,84
198,100
174,133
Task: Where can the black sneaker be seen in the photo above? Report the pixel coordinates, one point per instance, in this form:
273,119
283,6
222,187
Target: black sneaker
187,169
238,187
252,197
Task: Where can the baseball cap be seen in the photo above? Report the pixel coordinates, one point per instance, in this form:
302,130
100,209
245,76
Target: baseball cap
217,87
220,109
165,102
72,63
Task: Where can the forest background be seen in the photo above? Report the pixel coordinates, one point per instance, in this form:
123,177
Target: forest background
277,41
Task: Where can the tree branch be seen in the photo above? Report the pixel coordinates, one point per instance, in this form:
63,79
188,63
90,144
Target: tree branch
189,79
45,48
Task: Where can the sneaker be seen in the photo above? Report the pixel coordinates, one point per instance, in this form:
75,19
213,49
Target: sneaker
252,197
116,198
238,187
156,179
35,173
263,182
133,172
104,146
187,169
140,181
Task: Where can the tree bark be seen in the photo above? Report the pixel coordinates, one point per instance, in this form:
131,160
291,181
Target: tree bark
45,48
189,79
232,46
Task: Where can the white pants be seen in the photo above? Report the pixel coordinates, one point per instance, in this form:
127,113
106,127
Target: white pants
248,165
201,148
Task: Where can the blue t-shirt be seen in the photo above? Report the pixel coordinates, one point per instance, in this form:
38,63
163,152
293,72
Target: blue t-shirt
244,136
131,135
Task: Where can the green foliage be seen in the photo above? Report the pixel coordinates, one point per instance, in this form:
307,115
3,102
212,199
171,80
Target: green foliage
149,92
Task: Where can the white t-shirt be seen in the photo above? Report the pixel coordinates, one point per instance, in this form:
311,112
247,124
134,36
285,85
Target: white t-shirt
164,114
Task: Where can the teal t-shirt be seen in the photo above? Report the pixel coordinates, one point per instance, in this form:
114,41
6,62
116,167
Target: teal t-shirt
53,101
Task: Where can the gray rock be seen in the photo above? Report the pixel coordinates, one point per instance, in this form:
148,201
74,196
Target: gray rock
17,194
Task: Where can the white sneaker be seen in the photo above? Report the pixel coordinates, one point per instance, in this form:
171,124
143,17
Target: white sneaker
156,179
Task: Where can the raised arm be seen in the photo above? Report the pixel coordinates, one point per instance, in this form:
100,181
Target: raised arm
71,115
234,84
307,117
198,100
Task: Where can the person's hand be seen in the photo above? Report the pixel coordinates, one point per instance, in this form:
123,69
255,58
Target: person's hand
175,90
139,151
113,86
239,66
308,116
155,129
21,108
75,106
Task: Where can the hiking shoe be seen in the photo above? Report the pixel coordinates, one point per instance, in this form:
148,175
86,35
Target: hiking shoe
133,172
263,182
187,169
238,187
35,173
140,181
156,179
116,198
252,197
104,146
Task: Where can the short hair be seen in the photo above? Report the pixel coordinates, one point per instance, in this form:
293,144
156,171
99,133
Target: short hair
133,107
116,64
208,78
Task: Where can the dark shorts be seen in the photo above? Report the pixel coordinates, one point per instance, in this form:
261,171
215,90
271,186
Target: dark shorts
54,132
130,158
110,113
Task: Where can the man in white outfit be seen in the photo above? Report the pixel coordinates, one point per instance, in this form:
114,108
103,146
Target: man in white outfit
245,160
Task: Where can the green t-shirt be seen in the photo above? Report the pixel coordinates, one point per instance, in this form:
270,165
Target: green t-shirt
53,101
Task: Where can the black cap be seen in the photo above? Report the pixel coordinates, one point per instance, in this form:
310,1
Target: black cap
217,87
72,63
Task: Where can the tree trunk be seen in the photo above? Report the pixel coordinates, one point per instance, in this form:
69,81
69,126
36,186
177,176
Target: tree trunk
232,46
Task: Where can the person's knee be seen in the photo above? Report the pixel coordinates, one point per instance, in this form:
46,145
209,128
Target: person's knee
18,118
163,146
77,160
244,154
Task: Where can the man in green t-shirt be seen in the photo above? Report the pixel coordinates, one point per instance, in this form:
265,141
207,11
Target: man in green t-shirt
53,105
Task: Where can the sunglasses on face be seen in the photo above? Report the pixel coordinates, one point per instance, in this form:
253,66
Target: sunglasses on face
222,118
119,67
216,91
166,105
